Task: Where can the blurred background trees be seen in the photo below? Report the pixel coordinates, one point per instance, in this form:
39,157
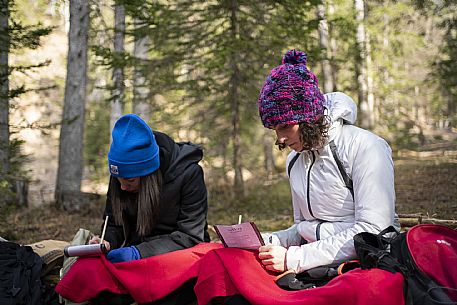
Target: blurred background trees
193,69
16,37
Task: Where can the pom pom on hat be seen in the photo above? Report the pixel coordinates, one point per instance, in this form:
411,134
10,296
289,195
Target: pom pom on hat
134,151
290,94
295,57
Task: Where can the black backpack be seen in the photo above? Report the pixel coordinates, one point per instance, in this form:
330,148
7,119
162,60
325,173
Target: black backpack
426,256
20,270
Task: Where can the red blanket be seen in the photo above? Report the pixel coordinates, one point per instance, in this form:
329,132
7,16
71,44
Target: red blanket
146,280
222,272
233,271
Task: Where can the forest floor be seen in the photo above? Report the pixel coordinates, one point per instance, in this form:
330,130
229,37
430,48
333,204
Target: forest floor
425,182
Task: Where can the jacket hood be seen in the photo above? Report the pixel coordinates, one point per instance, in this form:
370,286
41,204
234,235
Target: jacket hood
176,157
341,106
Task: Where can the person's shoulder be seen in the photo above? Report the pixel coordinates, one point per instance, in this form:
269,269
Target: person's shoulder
359,137
162,138
291,155
358,133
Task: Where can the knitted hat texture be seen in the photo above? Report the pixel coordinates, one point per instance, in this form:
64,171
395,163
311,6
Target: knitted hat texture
290,94
134,151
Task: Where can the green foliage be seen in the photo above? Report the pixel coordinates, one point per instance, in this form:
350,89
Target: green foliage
225,50
446,68
208,60
201,50
22,36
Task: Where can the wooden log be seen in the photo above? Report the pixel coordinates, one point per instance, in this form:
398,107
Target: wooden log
410,220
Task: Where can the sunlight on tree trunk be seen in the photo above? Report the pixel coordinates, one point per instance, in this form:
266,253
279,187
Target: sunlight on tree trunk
140,86
371,113
70,169
360,64
324,45
333,45
117,104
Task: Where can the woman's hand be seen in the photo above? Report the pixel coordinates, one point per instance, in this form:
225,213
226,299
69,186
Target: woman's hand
96,240
273,257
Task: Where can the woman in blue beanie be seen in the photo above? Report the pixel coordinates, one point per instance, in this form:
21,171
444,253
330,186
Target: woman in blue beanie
157,199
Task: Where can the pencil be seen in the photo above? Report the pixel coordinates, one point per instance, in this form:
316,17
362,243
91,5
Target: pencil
104,229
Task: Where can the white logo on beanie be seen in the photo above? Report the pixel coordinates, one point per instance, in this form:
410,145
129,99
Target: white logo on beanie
114,170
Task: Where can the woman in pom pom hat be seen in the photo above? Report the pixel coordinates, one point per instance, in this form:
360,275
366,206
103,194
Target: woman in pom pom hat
341,176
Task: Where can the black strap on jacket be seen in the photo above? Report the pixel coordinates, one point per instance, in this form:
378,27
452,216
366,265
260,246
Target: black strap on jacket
292,162
347,180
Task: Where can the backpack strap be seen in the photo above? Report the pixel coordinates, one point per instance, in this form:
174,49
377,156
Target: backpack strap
292,162
347,180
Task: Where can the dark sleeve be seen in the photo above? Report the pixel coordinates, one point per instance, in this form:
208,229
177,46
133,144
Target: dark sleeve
192,218
114,233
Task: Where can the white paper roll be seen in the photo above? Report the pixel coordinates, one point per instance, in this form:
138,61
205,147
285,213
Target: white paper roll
84,250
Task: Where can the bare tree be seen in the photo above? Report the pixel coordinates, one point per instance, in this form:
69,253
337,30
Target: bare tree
233,97
333,44
323,30
371,115
4,88
70,169
269,160
360,64
140,86
117,104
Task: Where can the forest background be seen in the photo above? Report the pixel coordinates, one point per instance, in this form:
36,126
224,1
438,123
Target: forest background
193,69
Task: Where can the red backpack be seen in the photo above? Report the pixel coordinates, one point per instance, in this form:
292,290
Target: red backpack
426,255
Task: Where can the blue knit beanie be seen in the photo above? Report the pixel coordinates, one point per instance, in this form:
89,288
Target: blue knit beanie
134,151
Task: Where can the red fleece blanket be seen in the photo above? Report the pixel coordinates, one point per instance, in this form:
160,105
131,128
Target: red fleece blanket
232,271
146,280
221,272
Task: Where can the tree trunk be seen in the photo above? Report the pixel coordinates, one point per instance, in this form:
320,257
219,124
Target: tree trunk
269,161
333,47
387,80
70,169
140,86
324,45
360,64
371,114
117,104
234,102
4,89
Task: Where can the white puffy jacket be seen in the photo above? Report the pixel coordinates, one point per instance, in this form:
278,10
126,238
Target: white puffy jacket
325,213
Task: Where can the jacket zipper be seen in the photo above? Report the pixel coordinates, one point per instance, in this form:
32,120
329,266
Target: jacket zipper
307,182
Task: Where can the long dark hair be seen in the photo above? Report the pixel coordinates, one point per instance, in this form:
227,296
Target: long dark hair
312,135
148,198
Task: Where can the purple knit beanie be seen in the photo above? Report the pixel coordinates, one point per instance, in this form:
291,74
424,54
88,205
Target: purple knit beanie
290,94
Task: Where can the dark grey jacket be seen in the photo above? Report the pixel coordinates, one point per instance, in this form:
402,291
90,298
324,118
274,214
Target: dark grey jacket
182,220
